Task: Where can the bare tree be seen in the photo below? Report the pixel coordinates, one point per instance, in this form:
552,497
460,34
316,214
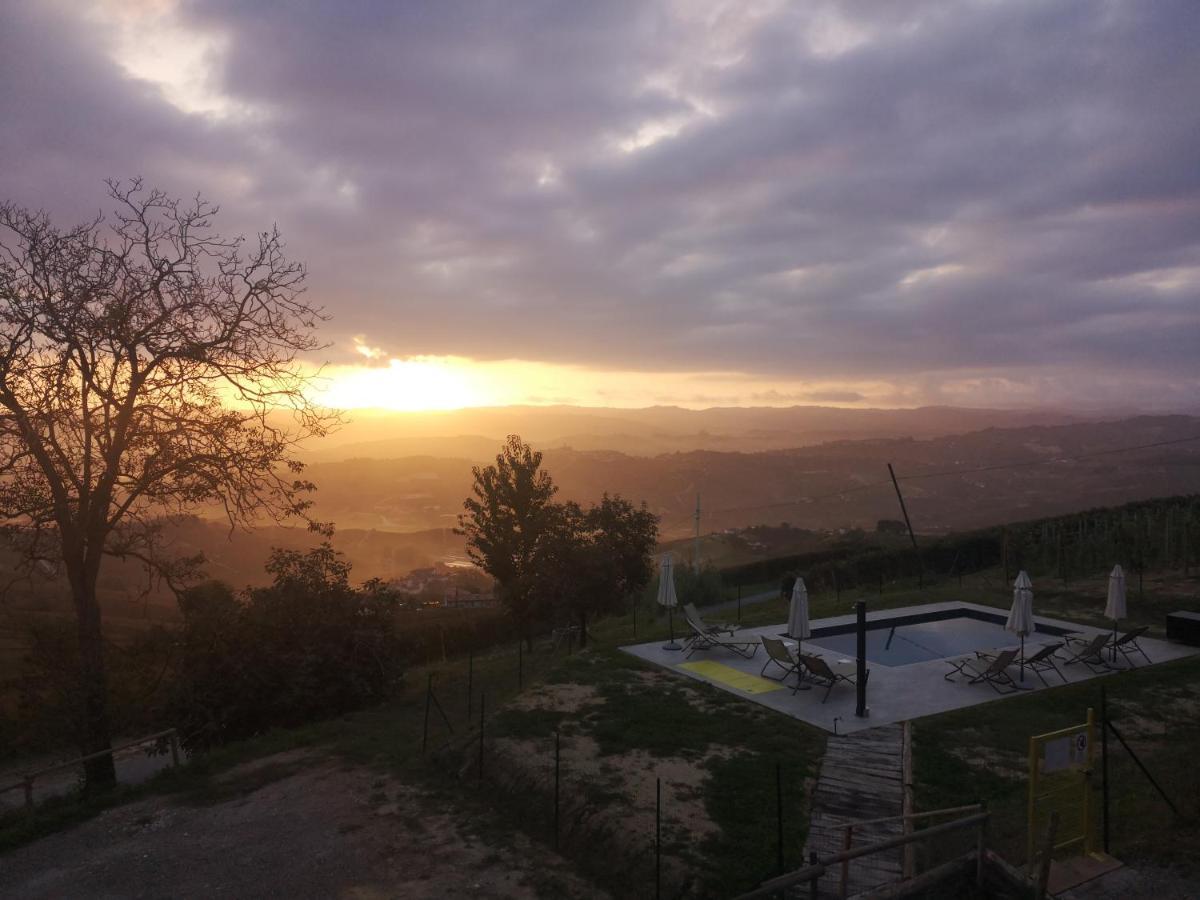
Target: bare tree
148,366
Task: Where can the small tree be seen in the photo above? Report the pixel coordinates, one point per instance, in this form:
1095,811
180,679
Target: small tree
505,521
306,647
591,561
143,367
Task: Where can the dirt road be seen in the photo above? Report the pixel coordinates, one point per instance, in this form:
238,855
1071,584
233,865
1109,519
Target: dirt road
293,825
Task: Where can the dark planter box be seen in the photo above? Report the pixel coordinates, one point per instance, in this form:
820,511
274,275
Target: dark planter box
1184,627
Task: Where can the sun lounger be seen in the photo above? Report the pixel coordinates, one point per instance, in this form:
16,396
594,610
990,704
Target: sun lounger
982,668
826,674
780,656
699,626
742,644
1089,651
1040,662
693,615
1043,661
1127,645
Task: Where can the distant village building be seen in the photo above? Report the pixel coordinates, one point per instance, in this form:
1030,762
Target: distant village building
463,599
419,581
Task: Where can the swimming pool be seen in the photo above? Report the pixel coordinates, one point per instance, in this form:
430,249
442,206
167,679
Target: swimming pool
905,640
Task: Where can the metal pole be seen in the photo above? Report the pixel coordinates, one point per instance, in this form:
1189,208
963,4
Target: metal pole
1104,761
520,666
657,838
557,764
696,546
861,685
470,682
912,537
482,697
779,817
1145,771
739,604
425,726
1022,659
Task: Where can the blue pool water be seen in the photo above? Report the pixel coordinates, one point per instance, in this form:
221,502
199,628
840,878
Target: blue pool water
904,645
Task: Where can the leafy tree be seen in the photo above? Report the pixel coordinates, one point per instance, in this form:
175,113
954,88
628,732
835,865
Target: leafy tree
505,521
143,365
591,560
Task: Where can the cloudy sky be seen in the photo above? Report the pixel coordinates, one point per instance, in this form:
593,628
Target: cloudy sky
886,203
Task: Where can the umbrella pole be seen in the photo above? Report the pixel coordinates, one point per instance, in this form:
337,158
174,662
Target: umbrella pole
1022,659
671,631
1114,646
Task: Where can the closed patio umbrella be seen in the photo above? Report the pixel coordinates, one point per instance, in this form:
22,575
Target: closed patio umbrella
1115,607
1020,617
667,598
798,626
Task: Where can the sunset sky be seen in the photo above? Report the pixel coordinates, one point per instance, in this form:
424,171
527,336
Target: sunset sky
867,203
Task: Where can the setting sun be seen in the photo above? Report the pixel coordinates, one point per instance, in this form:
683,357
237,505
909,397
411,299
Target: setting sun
416,384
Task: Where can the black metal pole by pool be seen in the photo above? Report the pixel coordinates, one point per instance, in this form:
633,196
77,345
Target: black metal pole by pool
861,680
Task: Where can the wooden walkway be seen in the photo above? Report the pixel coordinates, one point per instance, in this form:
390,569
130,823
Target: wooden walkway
861,778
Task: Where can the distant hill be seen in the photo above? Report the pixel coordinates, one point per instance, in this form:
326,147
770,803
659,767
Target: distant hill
474,433
394,515
830,485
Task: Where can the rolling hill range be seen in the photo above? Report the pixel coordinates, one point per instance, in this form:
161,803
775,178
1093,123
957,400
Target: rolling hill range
394,515
950,482
473,433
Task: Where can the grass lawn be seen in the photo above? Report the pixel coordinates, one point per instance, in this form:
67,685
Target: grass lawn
638,723
981,754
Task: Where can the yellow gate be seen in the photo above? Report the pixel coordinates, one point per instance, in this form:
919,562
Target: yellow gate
1060,768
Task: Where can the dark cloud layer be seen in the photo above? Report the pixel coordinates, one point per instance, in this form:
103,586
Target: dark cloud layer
825,192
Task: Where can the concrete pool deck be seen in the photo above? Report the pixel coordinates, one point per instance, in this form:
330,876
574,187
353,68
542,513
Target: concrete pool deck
894,693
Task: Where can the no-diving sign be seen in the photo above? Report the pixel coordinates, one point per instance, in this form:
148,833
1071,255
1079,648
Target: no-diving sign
1065,753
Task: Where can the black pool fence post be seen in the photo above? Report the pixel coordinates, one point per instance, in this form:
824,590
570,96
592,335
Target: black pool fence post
470,683
482,697
635,606
861,680
557,766
1104,762
520,666
812,882
425,725
739,605
779,817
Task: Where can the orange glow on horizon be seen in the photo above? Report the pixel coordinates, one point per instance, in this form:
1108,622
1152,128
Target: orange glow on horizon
431,383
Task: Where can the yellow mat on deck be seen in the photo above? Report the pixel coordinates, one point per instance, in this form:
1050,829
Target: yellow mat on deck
734,678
